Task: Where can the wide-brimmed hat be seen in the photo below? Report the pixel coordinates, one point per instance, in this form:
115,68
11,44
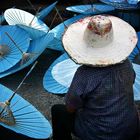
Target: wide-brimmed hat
100,40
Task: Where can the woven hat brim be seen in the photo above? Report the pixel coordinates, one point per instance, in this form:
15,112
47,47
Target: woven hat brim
124,41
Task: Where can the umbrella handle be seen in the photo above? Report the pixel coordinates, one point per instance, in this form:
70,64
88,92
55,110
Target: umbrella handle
22,81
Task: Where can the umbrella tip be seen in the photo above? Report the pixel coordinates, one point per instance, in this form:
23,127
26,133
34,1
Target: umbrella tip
6,115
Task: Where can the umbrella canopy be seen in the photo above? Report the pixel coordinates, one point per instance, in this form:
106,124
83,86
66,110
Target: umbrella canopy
91,9
58,77
16,16
2,19
43,13
135,55
33,33
137,82
58,31
36,48
122,4
9,53
29,121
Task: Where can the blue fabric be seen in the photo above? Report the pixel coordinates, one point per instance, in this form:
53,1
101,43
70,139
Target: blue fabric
88,9
122,5
104,101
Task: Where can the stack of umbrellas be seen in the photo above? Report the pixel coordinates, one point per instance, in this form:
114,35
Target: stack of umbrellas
21,43
23,40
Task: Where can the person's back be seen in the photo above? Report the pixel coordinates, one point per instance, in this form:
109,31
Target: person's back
108,111
99,102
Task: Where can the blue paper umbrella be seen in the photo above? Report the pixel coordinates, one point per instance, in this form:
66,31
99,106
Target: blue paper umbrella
135,55
122,4
90,9
2,19
36,48
137,82
58,77
43,13
56,43
33,33
16,16
28,120
9,53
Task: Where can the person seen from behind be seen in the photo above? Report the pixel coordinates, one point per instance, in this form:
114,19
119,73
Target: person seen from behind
99,104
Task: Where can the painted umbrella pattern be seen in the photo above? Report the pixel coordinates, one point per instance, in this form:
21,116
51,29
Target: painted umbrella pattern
91,9
10,55
29,121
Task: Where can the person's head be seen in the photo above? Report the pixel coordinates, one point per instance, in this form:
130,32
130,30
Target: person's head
100,40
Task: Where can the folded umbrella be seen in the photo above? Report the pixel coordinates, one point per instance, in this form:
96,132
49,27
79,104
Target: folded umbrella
43,13
91,9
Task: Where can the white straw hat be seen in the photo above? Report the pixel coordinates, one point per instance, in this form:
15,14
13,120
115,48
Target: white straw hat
99,40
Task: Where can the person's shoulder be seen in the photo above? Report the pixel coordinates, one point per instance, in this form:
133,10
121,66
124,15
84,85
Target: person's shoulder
89,70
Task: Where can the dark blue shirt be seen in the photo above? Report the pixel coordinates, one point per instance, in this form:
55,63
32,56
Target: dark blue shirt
103,98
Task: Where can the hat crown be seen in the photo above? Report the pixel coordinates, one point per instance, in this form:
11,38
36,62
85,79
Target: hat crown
100,25
99,29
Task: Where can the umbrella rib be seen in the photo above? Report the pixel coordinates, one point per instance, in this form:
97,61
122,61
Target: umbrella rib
53,20
34,16
138,48
28,122
7,60
14,103
14,43
61,17
10,17
29,118
28,130
31,5
24,114
21,108
18,17
31,126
